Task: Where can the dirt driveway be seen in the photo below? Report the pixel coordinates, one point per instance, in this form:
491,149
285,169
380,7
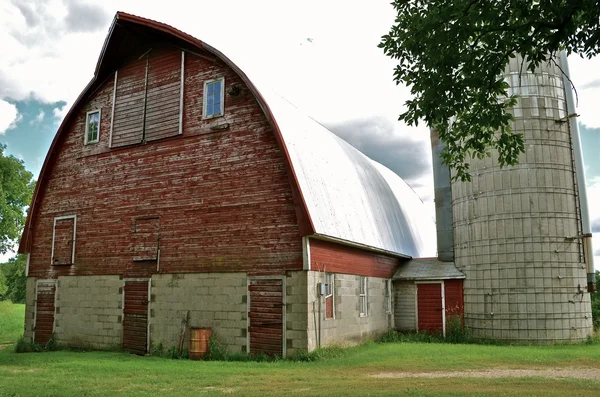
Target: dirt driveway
574,373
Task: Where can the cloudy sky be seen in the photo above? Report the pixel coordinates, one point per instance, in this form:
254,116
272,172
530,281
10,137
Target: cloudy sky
321,55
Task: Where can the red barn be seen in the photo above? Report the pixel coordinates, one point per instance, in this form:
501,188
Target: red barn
175,188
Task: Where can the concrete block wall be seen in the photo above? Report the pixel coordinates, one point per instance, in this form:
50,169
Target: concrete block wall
215,300
29,310
296,312
348,327
89,311
405,296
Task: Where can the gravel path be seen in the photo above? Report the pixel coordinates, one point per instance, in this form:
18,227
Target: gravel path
574,373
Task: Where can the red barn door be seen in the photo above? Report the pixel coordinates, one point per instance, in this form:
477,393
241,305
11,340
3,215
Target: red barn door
430,306
44,311
135,316
266,316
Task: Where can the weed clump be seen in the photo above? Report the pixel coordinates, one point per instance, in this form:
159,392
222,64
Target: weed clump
22,346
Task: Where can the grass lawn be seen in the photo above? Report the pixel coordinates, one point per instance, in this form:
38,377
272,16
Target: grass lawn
359,371
12,317
351,373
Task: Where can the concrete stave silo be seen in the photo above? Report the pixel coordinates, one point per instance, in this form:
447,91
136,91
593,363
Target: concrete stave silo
518,230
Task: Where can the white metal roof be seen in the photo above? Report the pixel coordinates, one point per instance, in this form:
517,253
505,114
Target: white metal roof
348,195
427,269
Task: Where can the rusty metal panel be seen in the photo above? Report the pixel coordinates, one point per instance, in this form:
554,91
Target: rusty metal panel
135,317
44,311
265,316
146,237
129,104
164,92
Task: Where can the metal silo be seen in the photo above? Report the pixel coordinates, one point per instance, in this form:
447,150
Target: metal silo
518,231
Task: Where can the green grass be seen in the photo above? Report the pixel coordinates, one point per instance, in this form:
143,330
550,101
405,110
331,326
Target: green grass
336,371
102,373
12,318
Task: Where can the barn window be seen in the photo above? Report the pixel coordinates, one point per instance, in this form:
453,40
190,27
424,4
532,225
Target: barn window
63,240
388,296
146,239
92,127
329,295
213,98
362,298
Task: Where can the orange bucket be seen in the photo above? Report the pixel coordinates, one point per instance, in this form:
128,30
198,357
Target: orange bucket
199,342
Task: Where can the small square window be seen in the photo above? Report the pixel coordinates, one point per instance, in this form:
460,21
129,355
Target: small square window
213,98
362,299
92,127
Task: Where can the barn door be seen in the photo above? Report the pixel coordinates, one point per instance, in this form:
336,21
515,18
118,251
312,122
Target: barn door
430,304
135,316
44,311
266,316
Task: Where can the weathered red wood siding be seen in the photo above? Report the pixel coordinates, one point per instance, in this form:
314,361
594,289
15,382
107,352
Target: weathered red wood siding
266,316
44,312
429,303
222,198
135,317
454,298
337,258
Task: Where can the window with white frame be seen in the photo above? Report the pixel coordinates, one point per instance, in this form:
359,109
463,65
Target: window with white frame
213,103
329,292
388,296
92,127
63,240
362,298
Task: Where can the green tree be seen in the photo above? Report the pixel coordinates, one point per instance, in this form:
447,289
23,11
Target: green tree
596,304
16,187
451,53
14,275
3,287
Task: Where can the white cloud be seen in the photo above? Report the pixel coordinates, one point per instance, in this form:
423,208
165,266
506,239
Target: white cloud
60,113
39,118
584,73
9,116
593,193
593,196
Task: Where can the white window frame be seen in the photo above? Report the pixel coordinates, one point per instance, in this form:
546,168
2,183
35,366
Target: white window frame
388,296
205,99
363,302
60,218
330,292
87,124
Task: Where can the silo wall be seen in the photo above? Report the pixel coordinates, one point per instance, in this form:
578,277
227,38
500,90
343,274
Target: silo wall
517,229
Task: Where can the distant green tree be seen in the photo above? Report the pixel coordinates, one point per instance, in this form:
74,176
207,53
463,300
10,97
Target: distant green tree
14,275
3,287
452,53
16,189
596,304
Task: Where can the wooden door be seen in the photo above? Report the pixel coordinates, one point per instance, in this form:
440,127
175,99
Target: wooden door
266,316
430,308
44,311
135,316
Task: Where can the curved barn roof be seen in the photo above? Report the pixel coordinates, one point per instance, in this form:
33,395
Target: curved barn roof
338,191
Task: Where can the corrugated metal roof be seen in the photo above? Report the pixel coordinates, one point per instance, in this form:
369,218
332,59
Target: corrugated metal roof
348,195
427,269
